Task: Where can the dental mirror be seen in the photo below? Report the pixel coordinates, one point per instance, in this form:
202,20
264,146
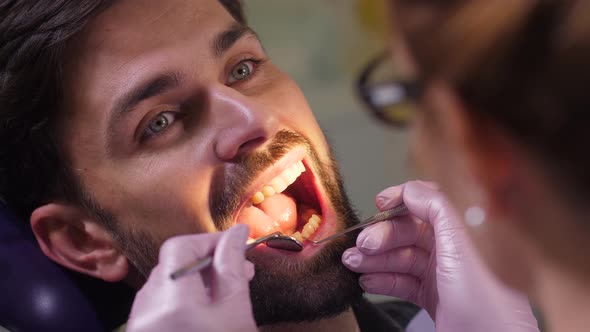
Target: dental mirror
284,242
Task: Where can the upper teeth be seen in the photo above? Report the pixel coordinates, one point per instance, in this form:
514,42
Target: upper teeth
279,183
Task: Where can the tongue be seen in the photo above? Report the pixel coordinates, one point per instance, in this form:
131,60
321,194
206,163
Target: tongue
276,213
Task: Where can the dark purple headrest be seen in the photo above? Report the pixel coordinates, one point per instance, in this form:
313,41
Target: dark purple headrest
36,294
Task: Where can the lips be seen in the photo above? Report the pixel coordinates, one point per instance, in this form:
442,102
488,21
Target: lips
285,198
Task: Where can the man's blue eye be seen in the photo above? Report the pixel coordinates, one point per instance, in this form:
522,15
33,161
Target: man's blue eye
242,70
160,123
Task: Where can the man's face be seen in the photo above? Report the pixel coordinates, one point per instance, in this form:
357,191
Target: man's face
175,119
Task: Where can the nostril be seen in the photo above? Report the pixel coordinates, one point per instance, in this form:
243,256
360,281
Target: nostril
229,148
251,145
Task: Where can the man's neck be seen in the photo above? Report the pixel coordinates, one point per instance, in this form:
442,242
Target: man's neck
345,322
563,299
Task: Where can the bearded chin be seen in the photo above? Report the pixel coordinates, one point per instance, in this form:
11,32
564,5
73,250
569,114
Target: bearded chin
287,291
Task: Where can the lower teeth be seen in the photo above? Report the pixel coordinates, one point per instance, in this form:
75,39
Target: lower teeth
312,225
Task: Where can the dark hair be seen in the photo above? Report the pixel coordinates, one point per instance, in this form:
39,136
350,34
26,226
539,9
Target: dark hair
522,65
33,38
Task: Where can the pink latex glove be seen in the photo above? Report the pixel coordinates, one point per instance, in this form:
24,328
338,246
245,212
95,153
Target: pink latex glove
427,258
217,300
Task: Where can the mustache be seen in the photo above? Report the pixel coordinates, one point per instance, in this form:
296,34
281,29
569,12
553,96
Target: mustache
231,181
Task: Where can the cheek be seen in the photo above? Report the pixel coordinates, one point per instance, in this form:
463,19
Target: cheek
430,152
439,160
175,197
422,147
159,195
294,111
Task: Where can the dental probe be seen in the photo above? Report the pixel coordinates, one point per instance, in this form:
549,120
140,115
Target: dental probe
204,262
381,216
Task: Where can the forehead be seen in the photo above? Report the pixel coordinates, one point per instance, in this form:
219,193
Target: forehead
133,25
134,36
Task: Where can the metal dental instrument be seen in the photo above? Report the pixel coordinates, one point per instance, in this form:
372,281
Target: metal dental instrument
381,216
284,242
289,243
204,262
277,240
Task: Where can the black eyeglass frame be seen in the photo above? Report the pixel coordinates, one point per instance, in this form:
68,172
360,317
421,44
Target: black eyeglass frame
412,91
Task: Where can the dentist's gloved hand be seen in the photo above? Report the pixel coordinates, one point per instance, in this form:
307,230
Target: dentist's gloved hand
216,300
426,257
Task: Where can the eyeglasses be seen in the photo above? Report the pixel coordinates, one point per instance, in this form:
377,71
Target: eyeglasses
392,101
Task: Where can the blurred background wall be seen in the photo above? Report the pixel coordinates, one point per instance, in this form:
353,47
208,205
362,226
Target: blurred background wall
323,45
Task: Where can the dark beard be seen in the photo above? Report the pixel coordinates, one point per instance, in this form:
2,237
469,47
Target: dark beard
140,247
284,290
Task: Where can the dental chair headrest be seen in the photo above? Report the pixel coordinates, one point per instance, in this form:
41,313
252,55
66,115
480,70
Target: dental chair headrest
38,295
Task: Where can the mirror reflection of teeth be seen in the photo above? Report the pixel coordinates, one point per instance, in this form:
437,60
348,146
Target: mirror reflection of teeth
279,183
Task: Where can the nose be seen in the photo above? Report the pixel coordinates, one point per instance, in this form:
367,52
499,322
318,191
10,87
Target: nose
244,124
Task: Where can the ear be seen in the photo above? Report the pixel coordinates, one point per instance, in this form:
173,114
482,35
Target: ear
492,159
68,236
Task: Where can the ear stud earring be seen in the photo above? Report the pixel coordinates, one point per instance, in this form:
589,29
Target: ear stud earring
475,216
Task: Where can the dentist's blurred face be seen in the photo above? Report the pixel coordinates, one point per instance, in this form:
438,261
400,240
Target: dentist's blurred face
177,122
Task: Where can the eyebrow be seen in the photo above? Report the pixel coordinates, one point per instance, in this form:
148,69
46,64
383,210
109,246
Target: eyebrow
170,80
226,39
153,87
156,86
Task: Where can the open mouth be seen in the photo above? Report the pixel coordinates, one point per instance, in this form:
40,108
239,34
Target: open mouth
287,202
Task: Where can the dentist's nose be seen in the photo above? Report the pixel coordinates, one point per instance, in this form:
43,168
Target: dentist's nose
244,124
